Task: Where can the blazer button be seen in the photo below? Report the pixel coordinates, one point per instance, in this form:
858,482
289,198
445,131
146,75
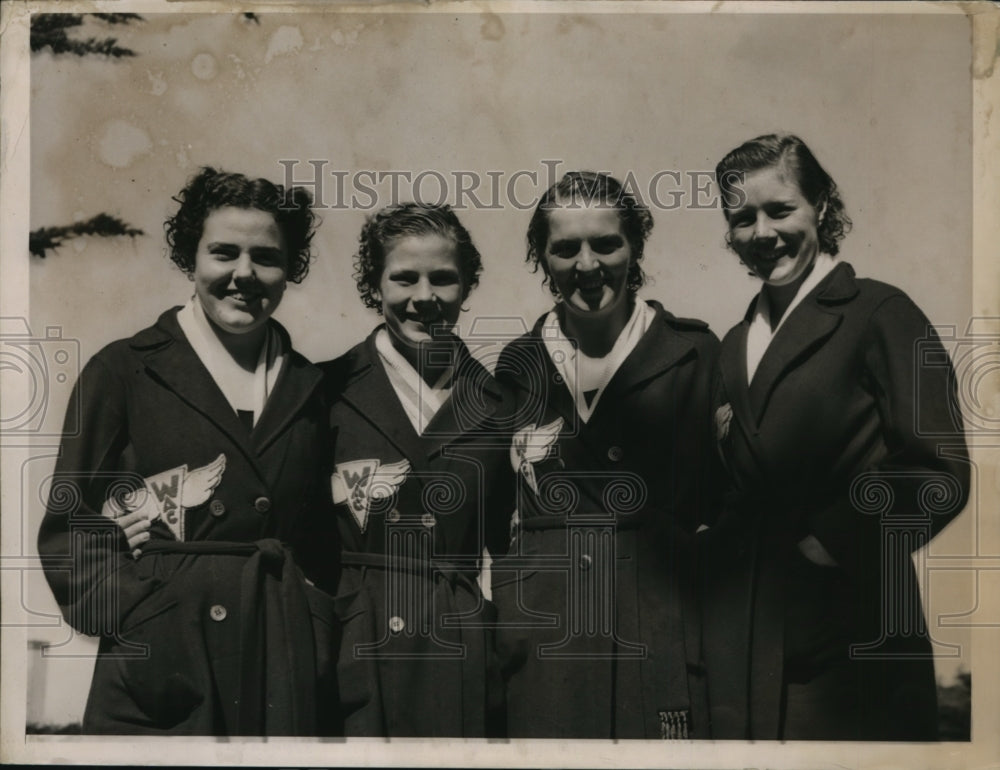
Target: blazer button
586,561
217,613
615,454
396,624
428,520
393,516
262,504
217,508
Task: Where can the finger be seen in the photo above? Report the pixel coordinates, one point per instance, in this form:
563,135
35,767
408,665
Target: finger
136,553
136,540
129,519
136,528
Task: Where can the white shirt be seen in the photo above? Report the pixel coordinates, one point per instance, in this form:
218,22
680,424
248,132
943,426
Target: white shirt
587,377
245,391
419,400
760,334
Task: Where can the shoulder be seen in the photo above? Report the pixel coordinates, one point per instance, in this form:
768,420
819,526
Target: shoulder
123,355
522,353
693,330
337,373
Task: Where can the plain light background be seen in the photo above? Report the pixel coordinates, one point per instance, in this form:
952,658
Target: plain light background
884,102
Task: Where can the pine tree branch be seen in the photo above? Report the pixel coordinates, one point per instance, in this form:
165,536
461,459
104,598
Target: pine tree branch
46,239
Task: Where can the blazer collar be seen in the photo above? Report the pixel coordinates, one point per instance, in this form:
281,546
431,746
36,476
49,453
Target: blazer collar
168,355
661,348
805,330
474,400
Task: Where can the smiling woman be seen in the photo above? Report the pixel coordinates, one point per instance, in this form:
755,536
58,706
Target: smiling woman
189,517
421,485
814,628
598,637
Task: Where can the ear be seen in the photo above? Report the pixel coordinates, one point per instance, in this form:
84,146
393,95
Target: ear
821,211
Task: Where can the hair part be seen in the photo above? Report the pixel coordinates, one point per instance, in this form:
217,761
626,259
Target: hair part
578,188
388,225
789,152
211,189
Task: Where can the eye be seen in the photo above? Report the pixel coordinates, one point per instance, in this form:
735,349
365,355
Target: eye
565,249
403,277
444,278
607,244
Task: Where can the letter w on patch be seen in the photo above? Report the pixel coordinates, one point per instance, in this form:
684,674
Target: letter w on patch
358,482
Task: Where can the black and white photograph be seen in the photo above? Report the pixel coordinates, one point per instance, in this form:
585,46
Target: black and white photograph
557,384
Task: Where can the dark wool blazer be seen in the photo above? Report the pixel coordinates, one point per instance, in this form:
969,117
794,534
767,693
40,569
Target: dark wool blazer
598,628
414,513
848,432
218,639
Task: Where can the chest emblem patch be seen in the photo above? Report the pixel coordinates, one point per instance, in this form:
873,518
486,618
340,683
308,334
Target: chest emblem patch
169,493
531,445
358,482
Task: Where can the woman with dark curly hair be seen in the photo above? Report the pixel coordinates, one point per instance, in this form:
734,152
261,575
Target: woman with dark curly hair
598,635
189,514
421,486
813,620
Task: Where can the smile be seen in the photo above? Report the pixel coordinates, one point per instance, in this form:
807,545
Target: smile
243,296
588,282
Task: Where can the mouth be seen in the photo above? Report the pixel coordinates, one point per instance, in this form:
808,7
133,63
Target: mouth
771,256
243,297
590,283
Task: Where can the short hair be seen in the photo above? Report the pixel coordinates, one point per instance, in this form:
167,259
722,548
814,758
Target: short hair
211,189
584,187
816,184
408,219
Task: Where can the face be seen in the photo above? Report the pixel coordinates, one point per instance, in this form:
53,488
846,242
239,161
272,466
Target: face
421,287
240,268
588,257
774,230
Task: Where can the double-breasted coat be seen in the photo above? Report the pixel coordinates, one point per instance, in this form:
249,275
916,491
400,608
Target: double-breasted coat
848,432
415,512
598,628
218,633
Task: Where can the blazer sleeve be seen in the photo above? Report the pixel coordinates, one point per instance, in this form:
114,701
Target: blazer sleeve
85,555
924,477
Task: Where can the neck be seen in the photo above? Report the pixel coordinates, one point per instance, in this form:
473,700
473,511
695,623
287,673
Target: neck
429,359
596,333
244,348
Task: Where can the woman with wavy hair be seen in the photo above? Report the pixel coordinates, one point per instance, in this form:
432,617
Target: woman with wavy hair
844,452
421,486
189,514
598,632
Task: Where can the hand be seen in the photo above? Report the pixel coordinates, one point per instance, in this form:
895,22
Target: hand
134,523
813,550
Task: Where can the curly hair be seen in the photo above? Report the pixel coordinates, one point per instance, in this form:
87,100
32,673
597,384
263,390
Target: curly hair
210,189
405,219
817,186
584,187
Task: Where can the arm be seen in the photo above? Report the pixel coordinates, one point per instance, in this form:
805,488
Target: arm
86,556
905,390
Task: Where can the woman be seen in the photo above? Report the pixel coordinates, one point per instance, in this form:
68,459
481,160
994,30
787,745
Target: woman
814,628
596,630
202,437
421,486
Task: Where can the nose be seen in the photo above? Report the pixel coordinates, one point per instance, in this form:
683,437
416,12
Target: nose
422,291
586,260
763,228
243,269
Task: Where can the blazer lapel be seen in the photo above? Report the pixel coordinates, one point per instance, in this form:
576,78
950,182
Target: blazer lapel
173,361
805,330
474,399
659,349
296,384
371,394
